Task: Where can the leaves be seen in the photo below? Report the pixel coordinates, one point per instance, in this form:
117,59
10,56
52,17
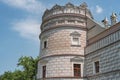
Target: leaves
29,65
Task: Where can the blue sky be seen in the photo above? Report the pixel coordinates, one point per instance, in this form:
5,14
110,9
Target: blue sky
20,21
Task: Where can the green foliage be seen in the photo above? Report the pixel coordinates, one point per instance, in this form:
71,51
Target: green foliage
29,65
7,75
18,75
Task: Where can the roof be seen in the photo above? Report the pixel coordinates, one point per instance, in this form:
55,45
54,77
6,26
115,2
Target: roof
105,33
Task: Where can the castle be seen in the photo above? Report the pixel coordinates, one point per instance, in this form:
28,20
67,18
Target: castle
76,47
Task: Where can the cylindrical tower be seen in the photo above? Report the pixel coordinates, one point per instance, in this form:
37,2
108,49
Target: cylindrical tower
62,40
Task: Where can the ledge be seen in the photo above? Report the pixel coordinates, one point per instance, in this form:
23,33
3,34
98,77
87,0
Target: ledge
61,78
69,26
105,73
42,57
63,15
75,45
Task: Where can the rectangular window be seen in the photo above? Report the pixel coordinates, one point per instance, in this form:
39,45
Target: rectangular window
96,66
77,70
45,44
44,71
75,41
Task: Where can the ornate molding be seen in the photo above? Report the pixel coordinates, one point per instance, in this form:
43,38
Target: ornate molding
77,59
68,8
75,33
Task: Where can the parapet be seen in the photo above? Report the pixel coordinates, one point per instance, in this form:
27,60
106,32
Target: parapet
67,9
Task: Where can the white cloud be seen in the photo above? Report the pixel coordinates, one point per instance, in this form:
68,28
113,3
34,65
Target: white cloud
99,9
34,6
28,28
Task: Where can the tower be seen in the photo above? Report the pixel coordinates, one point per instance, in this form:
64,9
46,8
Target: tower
63,40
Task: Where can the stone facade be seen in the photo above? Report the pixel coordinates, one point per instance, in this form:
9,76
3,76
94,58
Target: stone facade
69,36
107,51
58,67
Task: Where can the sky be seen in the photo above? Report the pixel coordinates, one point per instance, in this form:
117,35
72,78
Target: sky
20,25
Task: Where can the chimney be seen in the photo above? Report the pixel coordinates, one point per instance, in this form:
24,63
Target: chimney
113,18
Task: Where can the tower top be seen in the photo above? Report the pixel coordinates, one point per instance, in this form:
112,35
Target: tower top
68,8
84,5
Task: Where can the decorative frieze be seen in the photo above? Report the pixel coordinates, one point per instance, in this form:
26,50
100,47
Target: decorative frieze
104,42
63,21
68,8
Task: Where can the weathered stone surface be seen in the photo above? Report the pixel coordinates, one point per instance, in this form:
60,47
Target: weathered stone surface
59,26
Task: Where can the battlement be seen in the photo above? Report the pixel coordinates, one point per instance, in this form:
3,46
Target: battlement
67,9
67,15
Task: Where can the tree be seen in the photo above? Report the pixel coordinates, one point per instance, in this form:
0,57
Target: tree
29,71
18,75
29,65
7,75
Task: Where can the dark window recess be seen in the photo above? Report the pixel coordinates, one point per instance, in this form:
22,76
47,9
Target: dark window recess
77,70
44,71
45,44
97,66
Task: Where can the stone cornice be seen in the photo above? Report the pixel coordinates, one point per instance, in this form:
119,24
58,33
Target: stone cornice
62,15
64,26
41,58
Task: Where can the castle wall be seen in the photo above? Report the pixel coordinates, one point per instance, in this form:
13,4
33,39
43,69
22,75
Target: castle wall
59,42
65,26
60,53
103,42
58,68
107,52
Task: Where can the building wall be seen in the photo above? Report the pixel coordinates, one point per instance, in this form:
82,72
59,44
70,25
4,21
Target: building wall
62,21
107,51
59,68
103,42
59,42
60,53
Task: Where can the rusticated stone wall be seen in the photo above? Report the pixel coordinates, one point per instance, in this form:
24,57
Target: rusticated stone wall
59,42
59,67
107,51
